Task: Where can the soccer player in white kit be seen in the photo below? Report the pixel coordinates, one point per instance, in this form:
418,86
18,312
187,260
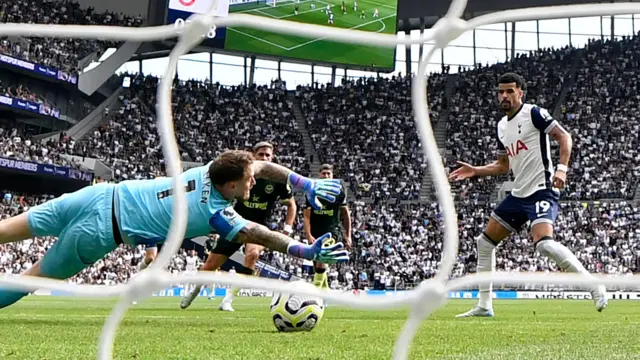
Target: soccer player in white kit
523,147
191,266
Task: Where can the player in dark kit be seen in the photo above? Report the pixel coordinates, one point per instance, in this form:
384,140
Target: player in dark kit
296,9
327,220
262,199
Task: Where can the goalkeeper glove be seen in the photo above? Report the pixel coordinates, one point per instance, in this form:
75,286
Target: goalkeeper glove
315,189
324,250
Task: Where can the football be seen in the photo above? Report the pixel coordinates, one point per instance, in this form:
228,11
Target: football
292,312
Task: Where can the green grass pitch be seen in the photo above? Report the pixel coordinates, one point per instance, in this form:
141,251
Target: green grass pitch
55,328
262,42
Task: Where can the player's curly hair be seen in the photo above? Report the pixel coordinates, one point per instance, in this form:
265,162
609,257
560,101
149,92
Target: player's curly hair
230,166
509,78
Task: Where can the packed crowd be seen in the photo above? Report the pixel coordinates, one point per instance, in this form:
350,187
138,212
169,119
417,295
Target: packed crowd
22,93
602,112
366,129
15,143
60,53
208,119
397,247
394,247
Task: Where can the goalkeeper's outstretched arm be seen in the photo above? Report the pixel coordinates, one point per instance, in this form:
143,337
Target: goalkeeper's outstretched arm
258,234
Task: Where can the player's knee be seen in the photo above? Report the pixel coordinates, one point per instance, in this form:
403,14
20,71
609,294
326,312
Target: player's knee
542,231
496,231
251,257
209,263
319,268
487,238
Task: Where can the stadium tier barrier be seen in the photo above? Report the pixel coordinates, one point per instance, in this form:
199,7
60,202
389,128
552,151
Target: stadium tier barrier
426,298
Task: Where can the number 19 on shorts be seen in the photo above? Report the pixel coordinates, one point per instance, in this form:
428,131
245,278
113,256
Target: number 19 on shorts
542,207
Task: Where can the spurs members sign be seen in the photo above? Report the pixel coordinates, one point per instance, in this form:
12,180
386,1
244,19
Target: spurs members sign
200,6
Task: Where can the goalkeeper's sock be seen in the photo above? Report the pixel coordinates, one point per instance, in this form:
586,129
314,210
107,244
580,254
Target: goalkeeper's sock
319,278
325,281
559,253
9,297
486,262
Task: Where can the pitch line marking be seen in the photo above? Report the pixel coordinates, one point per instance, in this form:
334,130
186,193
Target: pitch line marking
353,28
259,39
267,14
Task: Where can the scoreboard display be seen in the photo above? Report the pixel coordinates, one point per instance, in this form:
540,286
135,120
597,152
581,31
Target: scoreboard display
179,11
375,16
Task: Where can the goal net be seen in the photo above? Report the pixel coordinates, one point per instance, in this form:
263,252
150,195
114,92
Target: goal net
430,294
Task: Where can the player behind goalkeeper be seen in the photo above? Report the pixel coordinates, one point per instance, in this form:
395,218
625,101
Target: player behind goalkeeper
262,199
258,208
327,220
524,147
93,221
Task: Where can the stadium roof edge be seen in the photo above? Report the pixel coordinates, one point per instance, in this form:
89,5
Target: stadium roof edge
415,14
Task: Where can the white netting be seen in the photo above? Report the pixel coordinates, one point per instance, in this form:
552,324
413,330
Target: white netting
431,294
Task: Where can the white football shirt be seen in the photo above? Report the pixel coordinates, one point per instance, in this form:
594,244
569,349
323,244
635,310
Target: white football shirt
524,138
192,263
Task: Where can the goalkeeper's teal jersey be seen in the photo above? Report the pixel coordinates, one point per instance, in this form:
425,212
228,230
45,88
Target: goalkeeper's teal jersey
144,208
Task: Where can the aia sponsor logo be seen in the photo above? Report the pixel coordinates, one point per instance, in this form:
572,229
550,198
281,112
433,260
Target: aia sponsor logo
515,148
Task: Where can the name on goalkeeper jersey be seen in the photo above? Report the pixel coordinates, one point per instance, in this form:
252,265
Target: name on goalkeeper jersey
514,148
255,205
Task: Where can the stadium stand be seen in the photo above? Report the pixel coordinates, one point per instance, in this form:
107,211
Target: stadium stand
602,113
62,54
212,118
365,128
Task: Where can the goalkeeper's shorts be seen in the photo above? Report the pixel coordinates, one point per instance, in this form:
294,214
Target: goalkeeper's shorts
83,223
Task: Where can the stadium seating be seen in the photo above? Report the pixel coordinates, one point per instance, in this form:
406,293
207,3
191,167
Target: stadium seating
208,118
365,128
601,112
62,54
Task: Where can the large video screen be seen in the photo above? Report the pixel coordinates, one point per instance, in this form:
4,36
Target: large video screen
365,15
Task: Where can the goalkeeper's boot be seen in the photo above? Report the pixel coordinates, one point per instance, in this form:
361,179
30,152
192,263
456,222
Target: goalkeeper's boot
476,312
189,297
599,296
